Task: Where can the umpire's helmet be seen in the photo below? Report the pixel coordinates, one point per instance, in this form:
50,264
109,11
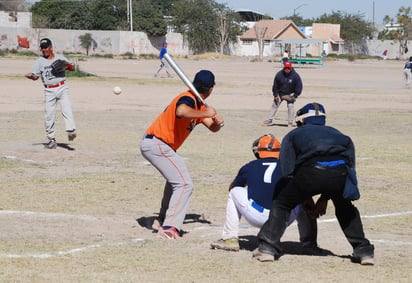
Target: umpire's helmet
266,146
311,113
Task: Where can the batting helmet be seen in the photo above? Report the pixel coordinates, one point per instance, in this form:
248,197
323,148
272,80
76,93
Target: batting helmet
311,113
266,146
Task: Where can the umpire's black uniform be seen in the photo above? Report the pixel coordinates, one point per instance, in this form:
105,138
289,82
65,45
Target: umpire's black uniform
316,157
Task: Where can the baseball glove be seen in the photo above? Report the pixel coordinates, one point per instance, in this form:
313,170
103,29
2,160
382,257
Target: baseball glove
289,98
58,67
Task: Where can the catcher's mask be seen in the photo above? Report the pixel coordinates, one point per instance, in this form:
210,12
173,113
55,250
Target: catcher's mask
266,146
311,113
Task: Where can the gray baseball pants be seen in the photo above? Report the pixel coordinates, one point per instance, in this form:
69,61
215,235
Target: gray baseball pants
179,186
274,108
51,97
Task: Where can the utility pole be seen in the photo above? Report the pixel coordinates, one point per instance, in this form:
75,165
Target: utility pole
294,10
130,14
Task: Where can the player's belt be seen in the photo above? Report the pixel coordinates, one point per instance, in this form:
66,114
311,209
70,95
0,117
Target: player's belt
323,165
257,206
150,137
55,85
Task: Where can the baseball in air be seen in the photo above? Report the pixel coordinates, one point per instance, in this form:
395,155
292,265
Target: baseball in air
117,90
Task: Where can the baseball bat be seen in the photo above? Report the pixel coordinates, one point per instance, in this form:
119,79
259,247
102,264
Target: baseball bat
183,77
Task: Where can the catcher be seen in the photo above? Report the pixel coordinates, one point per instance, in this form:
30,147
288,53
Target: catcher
51,68
250,196
287,86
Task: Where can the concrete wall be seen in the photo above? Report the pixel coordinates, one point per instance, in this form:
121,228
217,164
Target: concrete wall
138,43
376,47
15,19
104,42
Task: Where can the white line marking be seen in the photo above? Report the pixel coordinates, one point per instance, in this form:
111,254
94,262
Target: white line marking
69,252
49,255
396,243
15,158
372,216
47,214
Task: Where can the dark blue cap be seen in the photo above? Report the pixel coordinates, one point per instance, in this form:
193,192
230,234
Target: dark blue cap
204,78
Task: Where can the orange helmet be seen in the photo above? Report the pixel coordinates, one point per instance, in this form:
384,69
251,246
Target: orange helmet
266,146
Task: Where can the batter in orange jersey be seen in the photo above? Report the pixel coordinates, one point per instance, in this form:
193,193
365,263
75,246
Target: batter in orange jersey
161,141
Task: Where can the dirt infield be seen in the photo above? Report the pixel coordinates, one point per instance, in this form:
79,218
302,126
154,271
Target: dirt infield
81,212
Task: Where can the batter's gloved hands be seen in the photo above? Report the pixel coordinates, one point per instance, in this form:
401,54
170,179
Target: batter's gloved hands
218,119
58,67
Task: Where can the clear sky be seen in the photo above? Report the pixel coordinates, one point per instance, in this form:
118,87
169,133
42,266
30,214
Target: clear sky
309,9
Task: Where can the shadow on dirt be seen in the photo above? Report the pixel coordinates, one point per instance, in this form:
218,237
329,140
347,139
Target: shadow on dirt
147,221
250,243
62,145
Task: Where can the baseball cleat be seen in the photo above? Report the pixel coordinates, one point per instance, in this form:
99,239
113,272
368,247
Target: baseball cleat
168,232
157,225
231,244
367,260
52,144
71,135
267,122
262,257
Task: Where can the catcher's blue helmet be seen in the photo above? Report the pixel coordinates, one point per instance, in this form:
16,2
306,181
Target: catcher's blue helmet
311,113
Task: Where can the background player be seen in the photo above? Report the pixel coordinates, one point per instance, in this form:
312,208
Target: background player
407,72
251,194
164,137
55,90
163,63
287,85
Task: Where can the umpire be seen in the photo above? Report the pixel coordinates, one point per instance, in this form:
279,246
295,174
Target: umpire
318,159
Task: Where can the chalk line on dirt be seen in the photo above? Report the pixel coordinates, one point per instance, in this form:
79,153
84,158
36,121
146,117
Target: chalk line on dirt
82,249
69,252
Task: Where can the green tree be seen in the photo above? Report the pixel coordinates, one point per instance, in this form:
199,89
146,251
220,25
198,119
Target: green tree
148,17
197,22
207,25
403,33
228,26
299,21
404,17
86,41
106,14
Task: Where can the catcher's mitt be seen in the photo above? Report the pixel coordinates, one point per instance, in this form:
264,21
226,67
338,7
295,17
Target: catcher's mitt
58,67
289,98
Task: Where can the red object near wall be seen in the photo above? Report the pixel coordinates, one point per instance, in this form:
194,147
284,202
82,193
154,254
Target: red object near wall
23,42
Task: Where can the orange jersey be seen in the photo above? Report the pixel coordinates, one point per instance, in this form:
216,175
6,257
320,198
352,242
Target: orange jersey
171,129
